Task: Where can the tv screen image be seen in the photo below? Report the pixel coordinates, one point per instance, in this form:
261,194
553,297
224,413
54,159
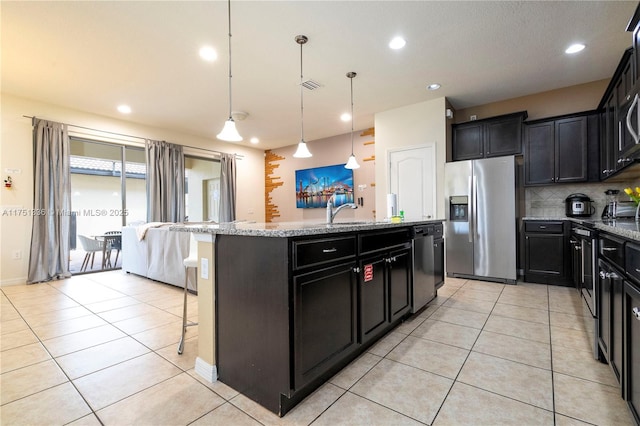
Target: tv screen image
315,186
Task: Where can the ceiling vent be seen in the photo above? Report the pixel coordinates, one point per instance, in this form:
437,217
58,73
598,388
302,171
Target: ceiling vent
311,85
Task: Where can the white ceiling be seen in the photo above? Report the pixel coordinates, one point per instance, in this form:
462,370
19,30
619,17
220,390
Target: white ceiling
93,56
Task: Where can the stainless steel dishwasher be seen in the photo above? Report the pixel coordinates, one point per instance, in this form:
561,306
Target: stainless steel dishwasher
423,267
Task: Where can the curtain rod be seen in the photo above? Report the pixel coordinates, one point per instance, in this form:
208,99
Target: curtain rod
131,136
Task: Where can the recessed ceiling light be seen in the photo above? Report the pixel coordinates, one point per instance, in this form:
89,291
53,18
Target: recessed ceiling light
124,109
345,117
575,48
397,43
433,86
254,140
208,53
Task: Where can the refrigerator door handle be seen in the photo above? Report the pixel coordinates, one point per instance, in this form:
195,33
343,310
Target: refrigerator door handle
475,205
471,212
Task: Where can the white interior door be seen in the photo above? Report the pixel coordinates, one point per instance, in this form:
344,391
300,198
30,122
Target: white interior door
413,178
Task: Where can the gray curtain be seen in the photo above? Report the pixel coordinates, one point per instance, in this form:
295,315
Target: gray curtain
49,253
165,182
227,187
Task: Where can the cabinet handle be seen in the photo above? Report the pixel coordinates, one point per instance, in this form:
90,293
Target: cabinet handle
638,270
636,313
331,250
619,135
603,275
609,249
634,135
613,276
356,269
543,227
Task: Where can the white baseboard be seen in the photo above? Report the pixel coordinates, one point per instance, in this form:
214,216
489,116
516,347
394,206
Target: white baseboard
13,281
205,370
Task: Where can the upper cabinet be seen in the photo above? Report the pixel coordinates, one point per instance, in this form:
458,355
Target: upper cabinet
561,149
491,137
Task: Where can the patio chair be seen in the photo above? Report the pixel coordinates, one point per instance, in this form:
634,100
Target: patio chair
114,242
90,246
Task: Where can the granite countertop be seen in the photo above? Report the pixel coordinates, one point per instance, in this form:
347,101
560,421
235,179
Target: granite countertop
627,228
290,229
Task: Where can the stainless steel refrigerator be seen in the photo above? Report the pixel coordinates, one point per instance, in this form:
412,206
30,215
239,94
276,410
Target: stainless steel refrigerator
480,229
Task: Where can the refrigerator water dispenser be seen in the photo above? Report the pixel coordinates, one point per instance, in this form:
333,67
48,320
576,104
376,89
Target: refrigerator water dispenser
459,208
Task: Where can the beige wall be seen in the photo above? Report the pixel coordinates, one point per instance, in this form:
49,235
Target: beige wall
326,152
16,153
582,97
411,126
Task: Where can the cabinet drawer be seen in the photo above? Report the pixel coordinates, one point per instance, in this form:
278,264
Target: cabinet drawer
632,261
543,226
316,252
377,241
612,249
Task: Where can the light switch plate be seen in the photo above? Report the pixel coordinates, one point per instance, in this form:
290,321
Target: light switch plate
204,268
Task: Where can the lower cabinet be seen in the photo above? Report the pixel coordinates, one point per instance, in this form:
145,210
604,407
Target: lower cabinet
438,262
631,308
547,258
325,320
610,322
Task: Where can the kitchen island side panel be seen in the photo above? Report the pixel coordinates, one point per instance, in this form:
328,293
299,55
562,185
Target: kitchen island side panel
252,312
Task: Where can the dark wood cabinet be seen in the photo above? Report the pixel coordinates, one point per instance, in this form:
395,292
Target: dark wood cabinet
324,320
556,150
547,258
438,262
374,315
631,315
491,137
399,284
609,138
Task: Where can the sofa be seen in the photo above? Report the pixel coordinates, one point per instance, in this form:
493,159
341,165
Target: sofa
155,252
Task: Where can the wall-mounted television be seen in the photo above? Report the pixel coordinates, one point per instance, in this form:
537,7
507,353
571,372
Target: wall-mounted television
315,186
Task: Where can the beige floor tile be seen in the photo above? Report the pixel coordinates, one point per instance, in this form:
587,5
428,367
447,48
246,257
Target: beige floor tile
518,328
91,294
169,301
187,360
566,303
165,335
11,326
522,288
192,310
8,313
540,316
430,356
178,400
28,380
86,361
16,339
120,381
383,346
429,309
61,328
81,340
22,356
568,421
443,294
525,351
26,300
444,332
127,312
460,317
145,322
353,372
577,339
589,401
45,318
303,414
410,391
353,410
477,294
111,304
469,305
525,300
226,415
522,382
407,326
486,286
34,310
90,420
218,387
451,282
575,322
580,363
55,406
468,405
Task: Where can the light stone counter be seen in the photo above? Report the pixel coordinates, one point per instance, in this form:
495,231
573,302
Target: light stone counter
627,228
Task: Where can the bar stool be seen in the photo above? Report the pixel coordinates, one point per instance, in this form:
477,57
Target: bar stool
189,262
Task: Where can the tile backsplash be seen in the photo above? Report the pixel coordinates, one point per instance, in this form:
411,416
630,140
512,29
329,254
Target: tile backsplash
548,201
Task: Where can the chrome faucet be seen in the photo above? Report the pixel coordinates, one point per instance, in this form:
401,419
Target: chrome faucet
331,213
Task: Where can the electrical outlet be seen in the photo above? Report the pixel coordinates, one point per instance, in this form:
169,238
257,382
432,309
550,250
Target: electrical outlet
16,255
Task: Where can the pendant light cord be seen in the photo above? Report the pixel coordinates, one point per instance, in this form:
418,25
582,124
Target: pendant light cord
301,98
229,15
351,80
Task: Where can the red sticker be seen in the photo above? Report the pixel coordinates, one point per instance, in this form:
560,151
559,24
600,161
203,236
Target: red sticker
368,272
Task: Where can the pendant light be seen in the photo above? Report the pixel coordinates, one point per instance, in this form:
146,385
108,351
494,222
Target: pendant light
302,151
352,163
229,132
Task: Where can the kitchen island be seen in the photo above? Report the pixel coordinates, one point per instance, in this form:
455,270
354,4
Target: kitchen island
296,302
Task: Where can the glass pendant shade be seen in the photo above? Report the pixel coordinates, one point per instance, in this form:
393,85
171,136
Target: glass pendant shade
302,151
229,132
352,163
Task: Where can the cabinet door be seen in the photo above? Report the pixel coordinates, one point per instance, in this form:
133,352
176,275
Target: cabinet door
438,262
545,255
325,320
373,297
609,142
399,284
571,150
615,349
467,141
503,137
539,154
604,308
631,309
